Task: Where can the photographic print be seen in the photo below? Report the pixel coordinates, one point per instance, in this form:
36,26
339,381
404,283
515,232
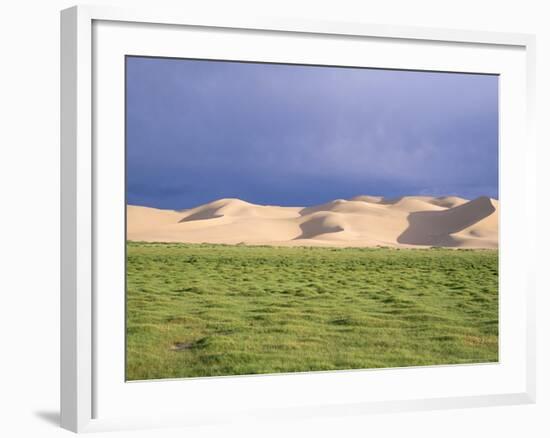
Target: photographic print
289,218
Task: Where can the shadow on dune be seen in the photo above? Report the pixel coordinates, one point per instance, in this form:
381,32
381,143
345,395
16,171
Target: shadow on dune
434,228
322,224
206,213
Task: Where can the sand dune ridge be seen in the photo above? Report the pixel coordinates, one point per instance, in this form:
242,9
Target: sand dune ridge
408,221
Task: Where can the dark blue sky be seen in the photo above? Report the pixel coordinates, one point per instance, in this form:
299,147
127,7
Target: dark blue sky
301,135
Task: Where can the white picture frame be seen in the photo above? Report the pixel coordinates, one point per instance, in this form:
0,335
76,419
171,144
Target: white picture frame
86,377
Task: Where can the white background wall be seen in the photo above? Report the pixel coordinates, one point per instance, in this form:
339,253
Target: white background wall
29,218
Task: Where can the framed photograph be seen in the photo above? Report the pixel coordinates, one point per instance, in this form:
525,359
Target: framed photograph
270,219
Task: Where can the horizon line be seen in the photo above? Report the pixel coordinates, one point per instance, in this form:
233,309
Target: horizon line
382,199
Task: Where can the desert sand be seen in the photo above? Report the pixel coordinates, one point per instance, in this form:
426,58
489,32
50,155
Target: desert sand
363,221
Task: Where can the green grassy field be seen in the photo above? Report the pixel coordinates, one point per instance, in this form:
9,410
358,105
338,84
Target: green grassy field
211,310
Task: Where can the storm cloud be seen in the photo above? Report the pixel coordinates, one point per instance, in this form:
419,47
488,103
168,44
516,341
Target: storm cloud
301,135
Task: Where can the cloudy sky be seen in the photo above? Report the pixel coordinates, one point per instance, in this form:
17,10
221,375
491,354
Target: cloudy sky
301,135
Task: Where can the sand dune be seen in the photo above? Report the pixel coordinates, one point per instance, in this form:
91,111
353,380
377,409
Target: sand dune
410,221
448,201
236,208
